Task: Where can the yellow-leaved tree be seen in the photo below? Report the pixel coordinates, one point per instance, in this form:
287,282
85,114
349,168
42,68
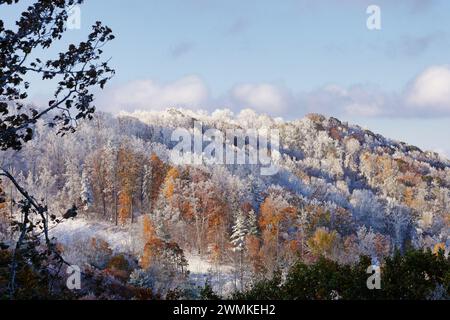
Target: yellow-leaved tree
322,242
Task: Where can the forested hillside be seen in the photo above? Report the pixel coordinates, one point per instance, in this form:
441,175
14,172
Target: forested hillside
340,192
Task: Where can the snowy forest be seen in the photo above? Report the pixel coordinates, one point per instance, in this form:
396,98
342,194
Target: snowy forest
340,193
94,207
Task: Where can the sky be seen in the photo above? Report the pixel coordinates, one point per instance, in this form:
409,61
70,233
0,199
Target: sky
284,58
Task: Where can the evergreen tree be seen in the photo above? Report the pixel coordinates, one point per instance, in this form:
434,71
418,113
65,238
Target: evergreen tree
86,190
73,183
239,233
252,223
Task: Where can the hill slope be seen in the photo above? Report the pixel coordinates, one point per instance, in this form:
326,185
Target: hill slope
339,191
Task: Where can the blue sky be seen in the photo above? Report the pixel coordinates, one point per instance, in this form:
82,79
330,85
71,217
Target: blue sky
285,58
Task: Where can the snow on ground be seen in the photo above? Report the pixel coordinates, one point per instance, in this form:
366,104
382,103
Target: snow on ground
119,239
75,235
198,264
220,277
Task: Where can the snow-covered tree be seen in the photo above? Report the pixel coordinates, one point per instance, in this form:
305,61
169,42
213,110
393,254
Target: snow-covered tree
239,232
238,236
367,210
252,223
86,190
146,187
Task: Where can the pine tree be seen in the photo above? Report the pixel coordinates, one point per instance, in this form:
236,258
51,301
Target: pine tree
252,223
86,190
239,233
73,183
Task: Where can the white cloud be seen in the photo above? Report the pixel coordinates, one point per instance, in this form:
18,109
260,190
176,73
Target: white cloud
358,100
431,90
262,97
428,95
190,92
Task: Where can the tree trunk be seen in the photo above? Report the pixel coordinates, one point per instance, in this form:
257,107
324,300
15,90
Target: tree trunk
131,210
116,213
